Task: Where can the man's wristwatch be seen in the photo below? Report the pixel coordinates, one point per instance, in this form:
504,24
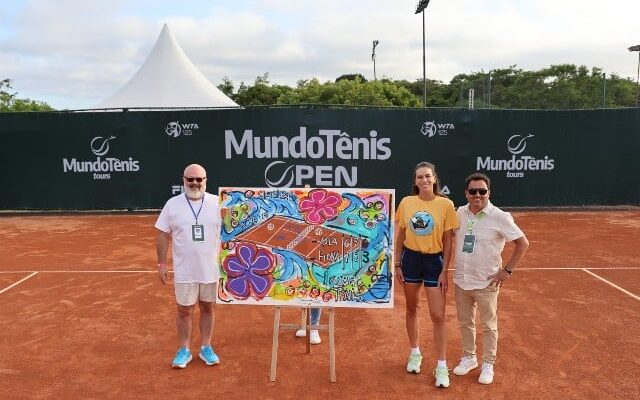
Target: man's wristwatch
508,270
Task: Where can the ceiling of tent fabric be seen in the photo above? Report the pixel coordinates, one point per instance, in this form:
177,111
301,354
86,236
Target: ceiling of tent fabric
168,79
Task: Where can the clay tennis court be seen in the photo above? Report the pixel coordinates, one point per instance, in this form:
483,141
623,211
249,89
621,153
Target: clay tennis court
288,233
83,315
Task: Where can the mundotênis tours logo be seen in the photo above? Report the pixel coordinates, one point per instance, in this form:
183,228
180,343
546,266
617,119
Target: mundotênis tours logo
517,165
101,168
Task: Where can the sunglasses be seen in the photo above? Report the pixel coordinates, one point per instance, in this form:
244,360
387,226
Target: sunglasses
194,179
476,191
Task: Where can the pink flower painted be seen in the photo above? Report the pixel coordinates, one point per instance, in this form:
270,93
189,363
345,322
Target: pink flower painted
320,206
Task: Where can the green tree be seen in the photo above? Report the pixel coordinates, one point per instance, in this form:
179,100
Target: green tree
226,86
350,92
439,94
351,77
261,93
564,86
10,102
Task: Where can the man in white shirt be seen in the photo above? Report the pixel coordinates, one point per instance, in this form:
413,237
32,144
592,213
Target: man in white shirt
191,223
479,273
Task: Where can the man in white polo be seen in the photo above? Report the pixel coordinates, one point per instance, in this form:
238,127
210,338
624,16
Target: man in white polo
191,223
479,273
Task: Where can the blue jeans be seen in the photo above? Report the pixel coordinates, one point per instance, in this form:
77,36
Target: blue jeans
315,315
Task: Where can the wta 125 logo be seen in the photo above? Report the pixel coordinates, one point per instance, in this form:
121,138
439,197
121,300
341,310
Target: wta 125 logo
175,128
431,128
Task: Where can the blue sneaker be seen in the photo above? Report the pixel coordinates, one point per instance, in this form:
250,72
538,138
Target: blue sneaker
208,355
183,357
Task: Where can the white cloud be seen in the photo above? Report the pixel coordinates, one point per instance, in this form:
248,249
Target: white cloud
73,53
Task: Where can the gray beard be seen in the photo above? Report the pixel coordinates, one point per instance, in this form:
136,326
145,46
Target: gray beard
195,193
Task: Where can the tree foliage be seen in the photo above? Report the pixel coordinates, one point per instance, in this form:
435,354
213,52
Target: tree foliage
564,86
10,102
350,92
351,77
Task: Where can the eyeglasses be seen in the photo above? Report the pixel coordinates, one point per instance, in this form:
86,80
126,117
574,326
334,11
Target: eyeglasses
474,191
198,179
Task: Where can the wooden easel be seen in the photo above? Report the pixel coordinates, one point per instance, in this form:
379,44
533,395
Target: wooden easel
304,323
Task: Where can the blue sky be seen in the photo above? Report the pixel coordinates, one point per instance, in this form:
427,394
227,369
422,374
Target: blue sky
74,53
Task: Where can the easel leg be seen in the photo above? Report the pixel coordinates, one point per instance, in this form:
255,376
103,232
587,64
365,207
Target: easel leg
303,319
274,346
332,347
307,313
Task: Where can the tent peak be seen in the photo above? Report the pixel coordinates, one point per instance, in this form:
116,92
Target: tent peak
168,78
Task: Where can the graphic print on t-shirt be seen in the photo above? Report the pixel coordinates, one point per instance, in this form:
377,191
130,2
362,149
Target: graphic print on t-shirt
421,223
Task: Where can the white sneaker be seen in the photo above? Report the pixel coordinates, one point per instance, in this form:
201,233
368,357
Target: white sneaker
314,337
467,363
486,375
413,366
302,332
442,377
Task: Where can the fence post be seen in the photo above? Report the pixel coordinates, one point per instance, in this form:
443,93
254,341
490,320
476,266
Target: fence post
604,89
489,91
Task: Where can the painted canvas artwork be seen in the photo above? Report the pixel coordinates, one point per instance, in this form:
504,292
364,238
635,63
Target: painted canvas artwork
312,247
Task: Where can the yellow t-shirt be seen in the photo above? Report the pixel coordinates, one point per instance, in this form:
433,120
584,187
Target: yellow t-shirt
425,222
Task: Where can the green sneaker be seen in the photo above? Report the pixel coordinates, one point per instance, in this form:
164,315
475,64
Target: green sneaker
413,366
442,377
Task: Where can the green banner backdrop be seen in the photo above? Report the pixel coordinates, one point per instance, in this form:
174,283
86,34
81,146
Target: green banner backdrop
134,160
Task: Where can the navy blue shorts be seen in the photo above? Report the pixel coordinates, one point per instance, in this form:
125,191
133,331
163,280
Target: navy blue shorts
420,267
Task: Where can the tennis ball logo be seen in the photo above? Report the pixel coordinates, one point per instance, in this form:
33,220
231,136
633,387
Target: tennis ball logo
100,145
286,178
517,143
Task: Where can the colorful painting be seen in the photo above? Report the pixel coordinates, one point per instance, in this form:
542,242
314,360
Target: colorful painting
306,247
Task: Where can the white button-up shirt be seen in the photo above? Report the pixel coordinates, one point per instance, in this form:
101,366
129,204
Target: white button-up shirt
492,227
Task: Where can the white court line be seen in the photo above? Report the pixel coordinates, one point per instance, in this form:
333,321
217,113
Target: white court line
612,284
17,283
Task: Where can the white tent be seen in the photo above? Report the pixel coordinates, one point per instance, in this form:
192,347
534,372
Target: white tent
168,79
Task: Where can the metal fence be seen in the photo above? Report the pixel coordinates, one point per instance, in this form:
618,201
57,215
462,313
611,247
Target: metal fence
507,93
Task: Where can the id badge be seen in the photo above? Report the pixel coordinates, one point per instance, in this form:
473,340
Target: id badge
469,243
197,233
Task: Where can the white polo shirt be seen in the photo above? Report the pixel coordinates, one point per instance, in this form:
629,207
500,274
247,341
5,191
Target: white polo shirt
193,261
492,227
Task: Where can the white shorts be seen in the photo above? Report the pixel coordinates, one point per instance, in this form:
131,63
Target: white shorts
188,294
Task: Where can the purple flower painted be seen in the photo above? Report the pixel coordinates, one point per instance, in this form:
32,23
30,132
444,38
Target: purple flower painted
249,271
320,206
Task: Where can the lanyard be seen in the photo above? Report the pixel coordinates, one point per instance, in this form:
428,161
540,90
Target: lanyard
470,224
473,219
191,207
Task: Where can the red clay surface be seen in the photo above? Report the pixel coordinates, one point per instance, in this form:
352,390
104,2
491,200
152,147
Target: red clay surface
70,333
312,243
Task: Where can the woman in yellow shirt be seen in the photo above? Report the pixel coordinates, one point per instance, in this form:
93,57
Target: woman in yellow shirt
425,222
